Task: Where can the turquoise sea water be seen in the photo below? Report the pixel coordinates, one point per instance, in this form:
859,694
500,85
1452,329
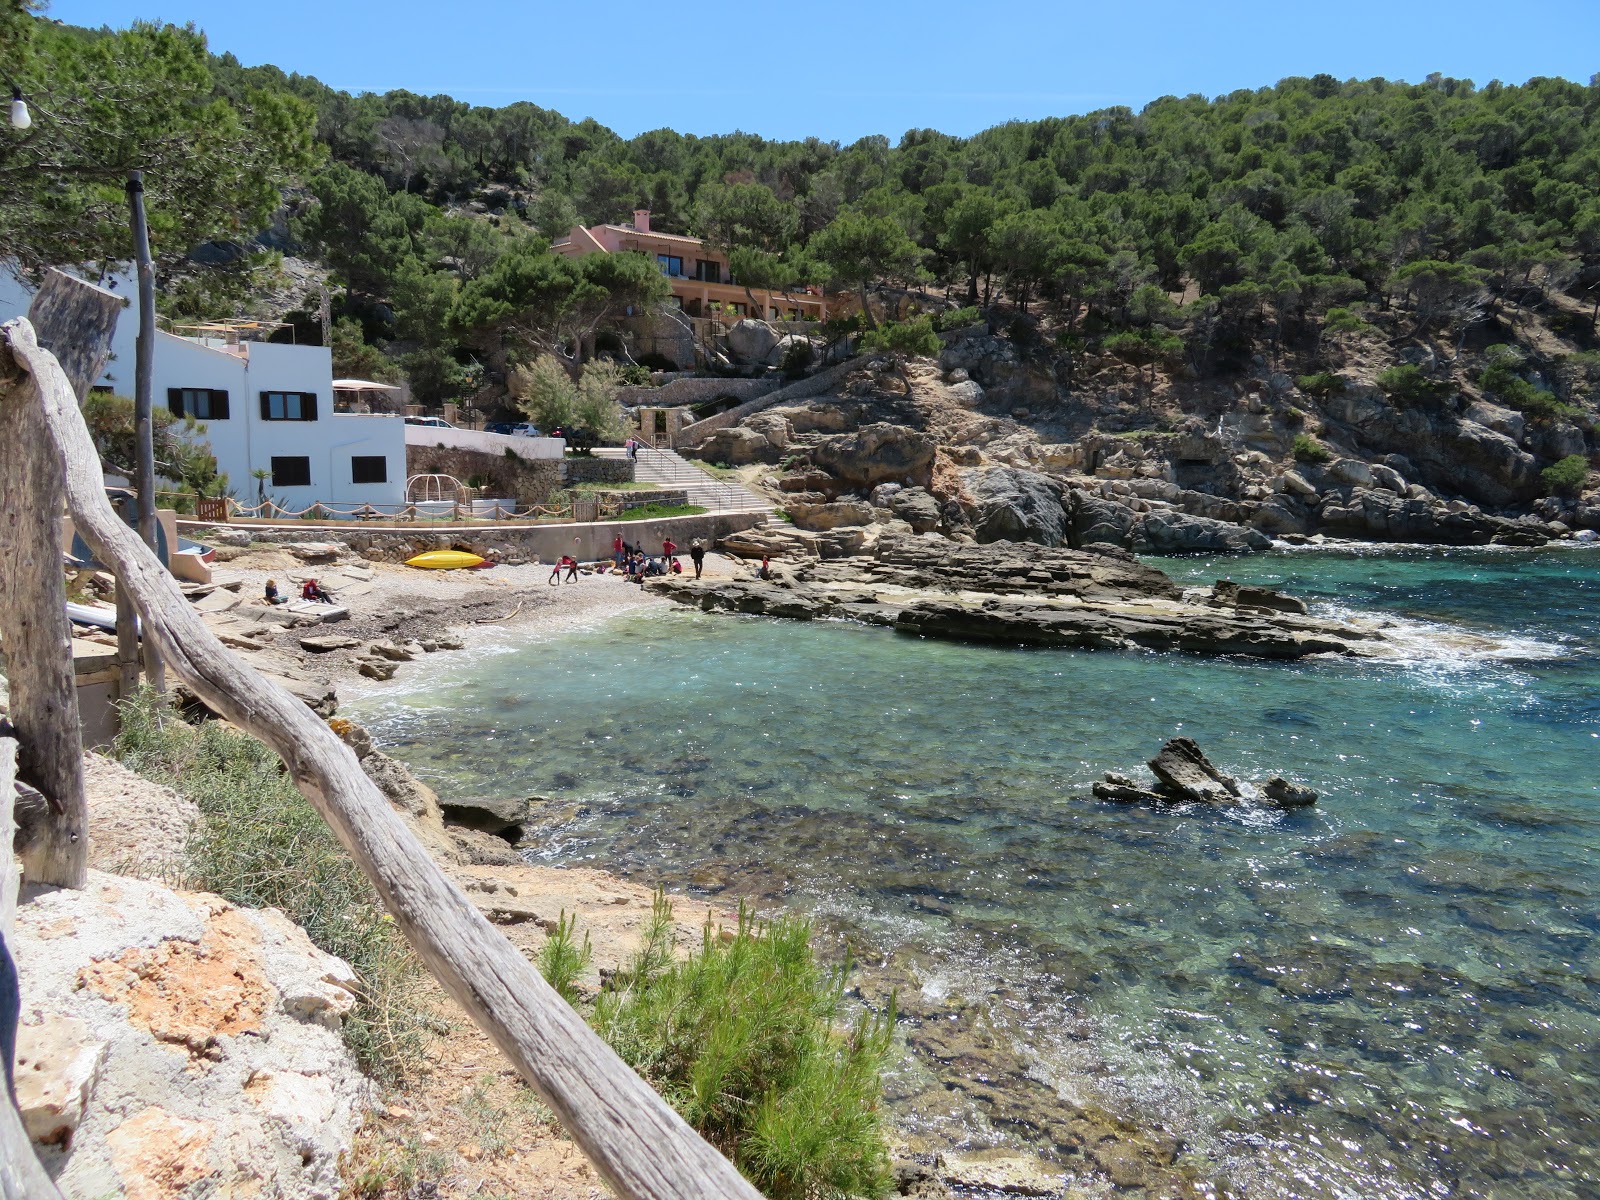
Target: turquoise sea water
1395,994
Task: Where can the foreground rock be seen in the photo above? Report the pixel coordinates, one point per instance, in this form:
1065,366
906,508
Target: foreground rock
1026,595
1184,775
173,1044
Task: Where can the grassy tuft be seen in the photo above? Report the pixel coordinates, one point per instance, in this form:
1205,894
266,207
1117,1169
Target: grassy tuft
1307,449
262,845
741,1038
650,512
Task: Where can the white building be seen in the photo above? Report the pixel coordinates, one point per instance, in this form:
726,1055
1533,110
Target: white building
265,406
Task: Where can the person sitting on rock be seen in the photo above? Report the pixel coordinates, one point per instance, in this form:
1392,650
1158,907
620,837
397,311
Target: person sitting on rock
311,590
766,568
273,596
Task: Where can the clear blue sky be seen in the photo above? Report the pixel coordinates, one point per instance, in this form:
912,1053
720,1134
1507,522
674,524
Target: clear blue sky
844,70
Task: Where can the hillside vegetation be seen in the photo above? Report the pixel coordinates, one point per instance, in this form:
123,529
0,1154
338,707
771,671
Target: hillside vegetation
1184,240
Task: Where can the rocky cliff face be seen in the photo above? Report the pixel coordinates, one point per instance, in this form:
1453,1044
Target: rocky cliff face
988,445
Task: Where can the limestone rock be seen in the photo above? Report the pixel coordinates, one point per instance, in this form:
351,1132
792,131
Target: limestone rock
501,816
917,507
968,393
1015,505
738,447
1095,520
878,453
315,552
58,1062
777,429
751,341
1283,794
1180,533
1185,770
1351,471
324,643
822,517
377,668
1498,418
215,1028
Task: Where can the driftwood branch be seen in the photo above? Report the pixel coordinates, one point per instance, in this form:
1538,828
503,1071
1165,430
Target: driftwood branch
643,1149
78,319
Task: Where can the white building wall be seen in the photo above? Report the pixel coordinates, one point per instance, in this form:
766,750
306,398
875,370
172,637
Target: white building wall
244,442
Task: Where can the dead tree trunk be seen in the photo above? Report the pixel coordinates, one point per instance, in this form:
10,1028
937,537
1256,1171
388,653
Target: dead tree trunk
643,1149
76,319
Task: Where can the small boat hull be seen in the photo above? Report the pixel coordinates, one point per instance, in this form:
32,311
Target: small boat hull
447,560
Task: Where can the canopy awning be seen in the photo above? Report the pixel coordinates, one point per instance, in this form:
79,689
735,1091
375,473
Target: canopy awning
362,385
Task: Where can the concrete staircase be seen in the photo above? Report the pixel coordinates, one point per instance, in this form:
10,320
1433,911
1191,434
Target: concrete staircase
669,469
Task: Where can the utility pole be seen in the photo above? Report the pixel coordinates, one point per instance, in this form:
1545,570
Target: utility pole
143,420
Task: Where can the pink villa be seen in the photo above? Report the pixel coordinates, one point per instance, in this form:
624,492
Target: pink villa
701,283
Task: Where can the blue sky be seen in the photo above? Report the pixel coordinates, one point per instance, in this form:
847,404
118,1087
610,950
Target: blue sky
840,71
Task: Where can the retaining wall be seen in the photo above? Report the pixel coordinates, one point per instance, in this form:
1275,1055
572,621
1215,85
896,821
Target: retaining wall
579,469
696,391
528,481
434,436
514,543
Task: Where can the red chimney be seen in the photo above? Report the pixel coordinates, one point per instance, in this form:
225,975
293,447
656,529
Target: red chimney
641,220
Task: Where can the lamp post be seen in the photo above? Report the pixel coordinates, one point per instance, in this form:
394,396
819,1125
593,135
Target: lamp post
143,419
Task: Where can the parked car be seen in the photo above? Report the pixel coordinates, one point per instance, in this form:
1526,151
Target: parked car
526,429
430,422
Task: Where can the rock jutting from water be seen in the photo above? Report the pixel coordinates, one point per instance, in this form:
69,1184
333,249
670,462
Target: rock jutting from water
1184,775
1023,594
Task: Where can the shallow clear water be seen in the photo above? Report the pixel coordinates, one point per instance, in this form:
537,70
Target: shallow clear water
1394,994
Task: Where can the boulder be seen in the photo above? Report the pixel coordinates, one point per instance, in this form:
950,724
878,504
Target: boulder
176,1045
822,517
877,453
323,644
1502,420
1226,593
1095,519
1180,533
1389,480
1278,792
1279,516
1295,484
917,508
1014,505
738,447
1188,774
751,341
314,552
1492,469
778,430
883,493
1351,471
1558,439
968,393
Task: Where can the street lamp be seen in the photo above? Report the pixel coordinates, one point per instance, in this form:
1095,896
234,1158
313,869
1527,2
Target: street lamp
20,117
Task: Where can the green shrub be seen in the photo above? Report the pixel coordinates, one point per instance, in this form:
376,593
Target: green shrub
1407,384
914,338
1500,380
650,512
262,845
1322,383
1343,320
955,318
741,1038
1566,477
1307,449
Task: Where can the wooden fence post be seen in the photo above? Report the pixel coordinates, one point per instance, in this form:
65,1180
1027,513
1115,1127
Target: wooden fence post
77,319
640,1146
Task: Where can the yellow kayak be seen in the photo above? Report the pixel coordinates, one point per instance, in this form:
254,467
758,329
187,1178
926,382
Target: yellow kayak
445,560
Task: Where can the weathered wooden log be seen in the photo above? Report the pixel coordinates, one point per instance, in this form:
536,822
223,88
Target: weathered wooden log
642,1148
78,319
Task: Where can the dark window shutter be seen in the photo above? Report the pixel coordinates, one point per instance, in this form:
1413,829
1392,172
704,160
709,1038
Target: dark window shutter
175,401
308,406
219,405
266,407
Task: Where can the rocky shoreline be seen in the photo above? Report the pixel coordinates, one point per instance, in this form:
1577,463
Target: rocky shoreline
1029,595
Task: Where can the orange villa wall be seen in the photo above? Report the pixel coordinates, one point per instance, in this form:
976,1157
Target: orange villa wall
694,295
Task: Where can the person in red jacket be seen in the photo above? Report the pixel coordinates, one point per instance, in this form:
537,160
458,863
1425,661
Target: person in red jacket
668,548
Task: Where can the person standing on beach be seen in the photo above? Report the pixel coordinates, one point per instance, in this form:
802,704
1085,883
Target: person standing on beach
668,548
618,549
697,551
572,569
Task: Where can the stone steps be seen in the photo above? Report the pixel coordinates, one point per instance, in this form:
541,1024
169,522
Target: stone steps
670,469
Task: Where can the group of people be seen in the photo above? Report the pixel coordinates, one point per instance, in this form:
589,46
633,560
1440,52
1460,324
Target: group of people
636,563
309,590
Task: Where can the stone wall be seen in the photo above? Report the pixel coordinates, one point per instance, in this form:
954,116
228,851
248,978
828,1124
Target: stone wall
579,469
514,543
527,481
697,391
